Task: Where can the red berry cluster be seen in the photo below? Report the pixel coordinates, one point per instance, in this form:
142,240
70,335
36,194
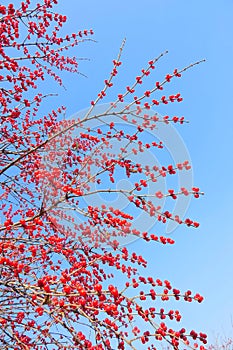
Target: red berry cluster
60,287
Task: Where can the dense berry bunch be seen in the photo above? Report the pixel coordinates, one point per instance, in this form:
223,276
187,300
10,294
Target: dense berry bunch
59,285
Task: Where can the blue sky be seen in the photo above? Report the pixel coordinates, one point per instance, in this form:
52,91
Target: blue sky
190,30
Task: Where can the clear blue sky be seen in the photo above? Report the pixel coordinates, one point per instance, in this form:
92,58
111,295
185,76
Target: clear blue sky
191,30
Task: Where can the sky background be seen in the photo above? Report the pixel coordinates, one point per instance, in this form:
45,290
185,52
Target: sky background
201,260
